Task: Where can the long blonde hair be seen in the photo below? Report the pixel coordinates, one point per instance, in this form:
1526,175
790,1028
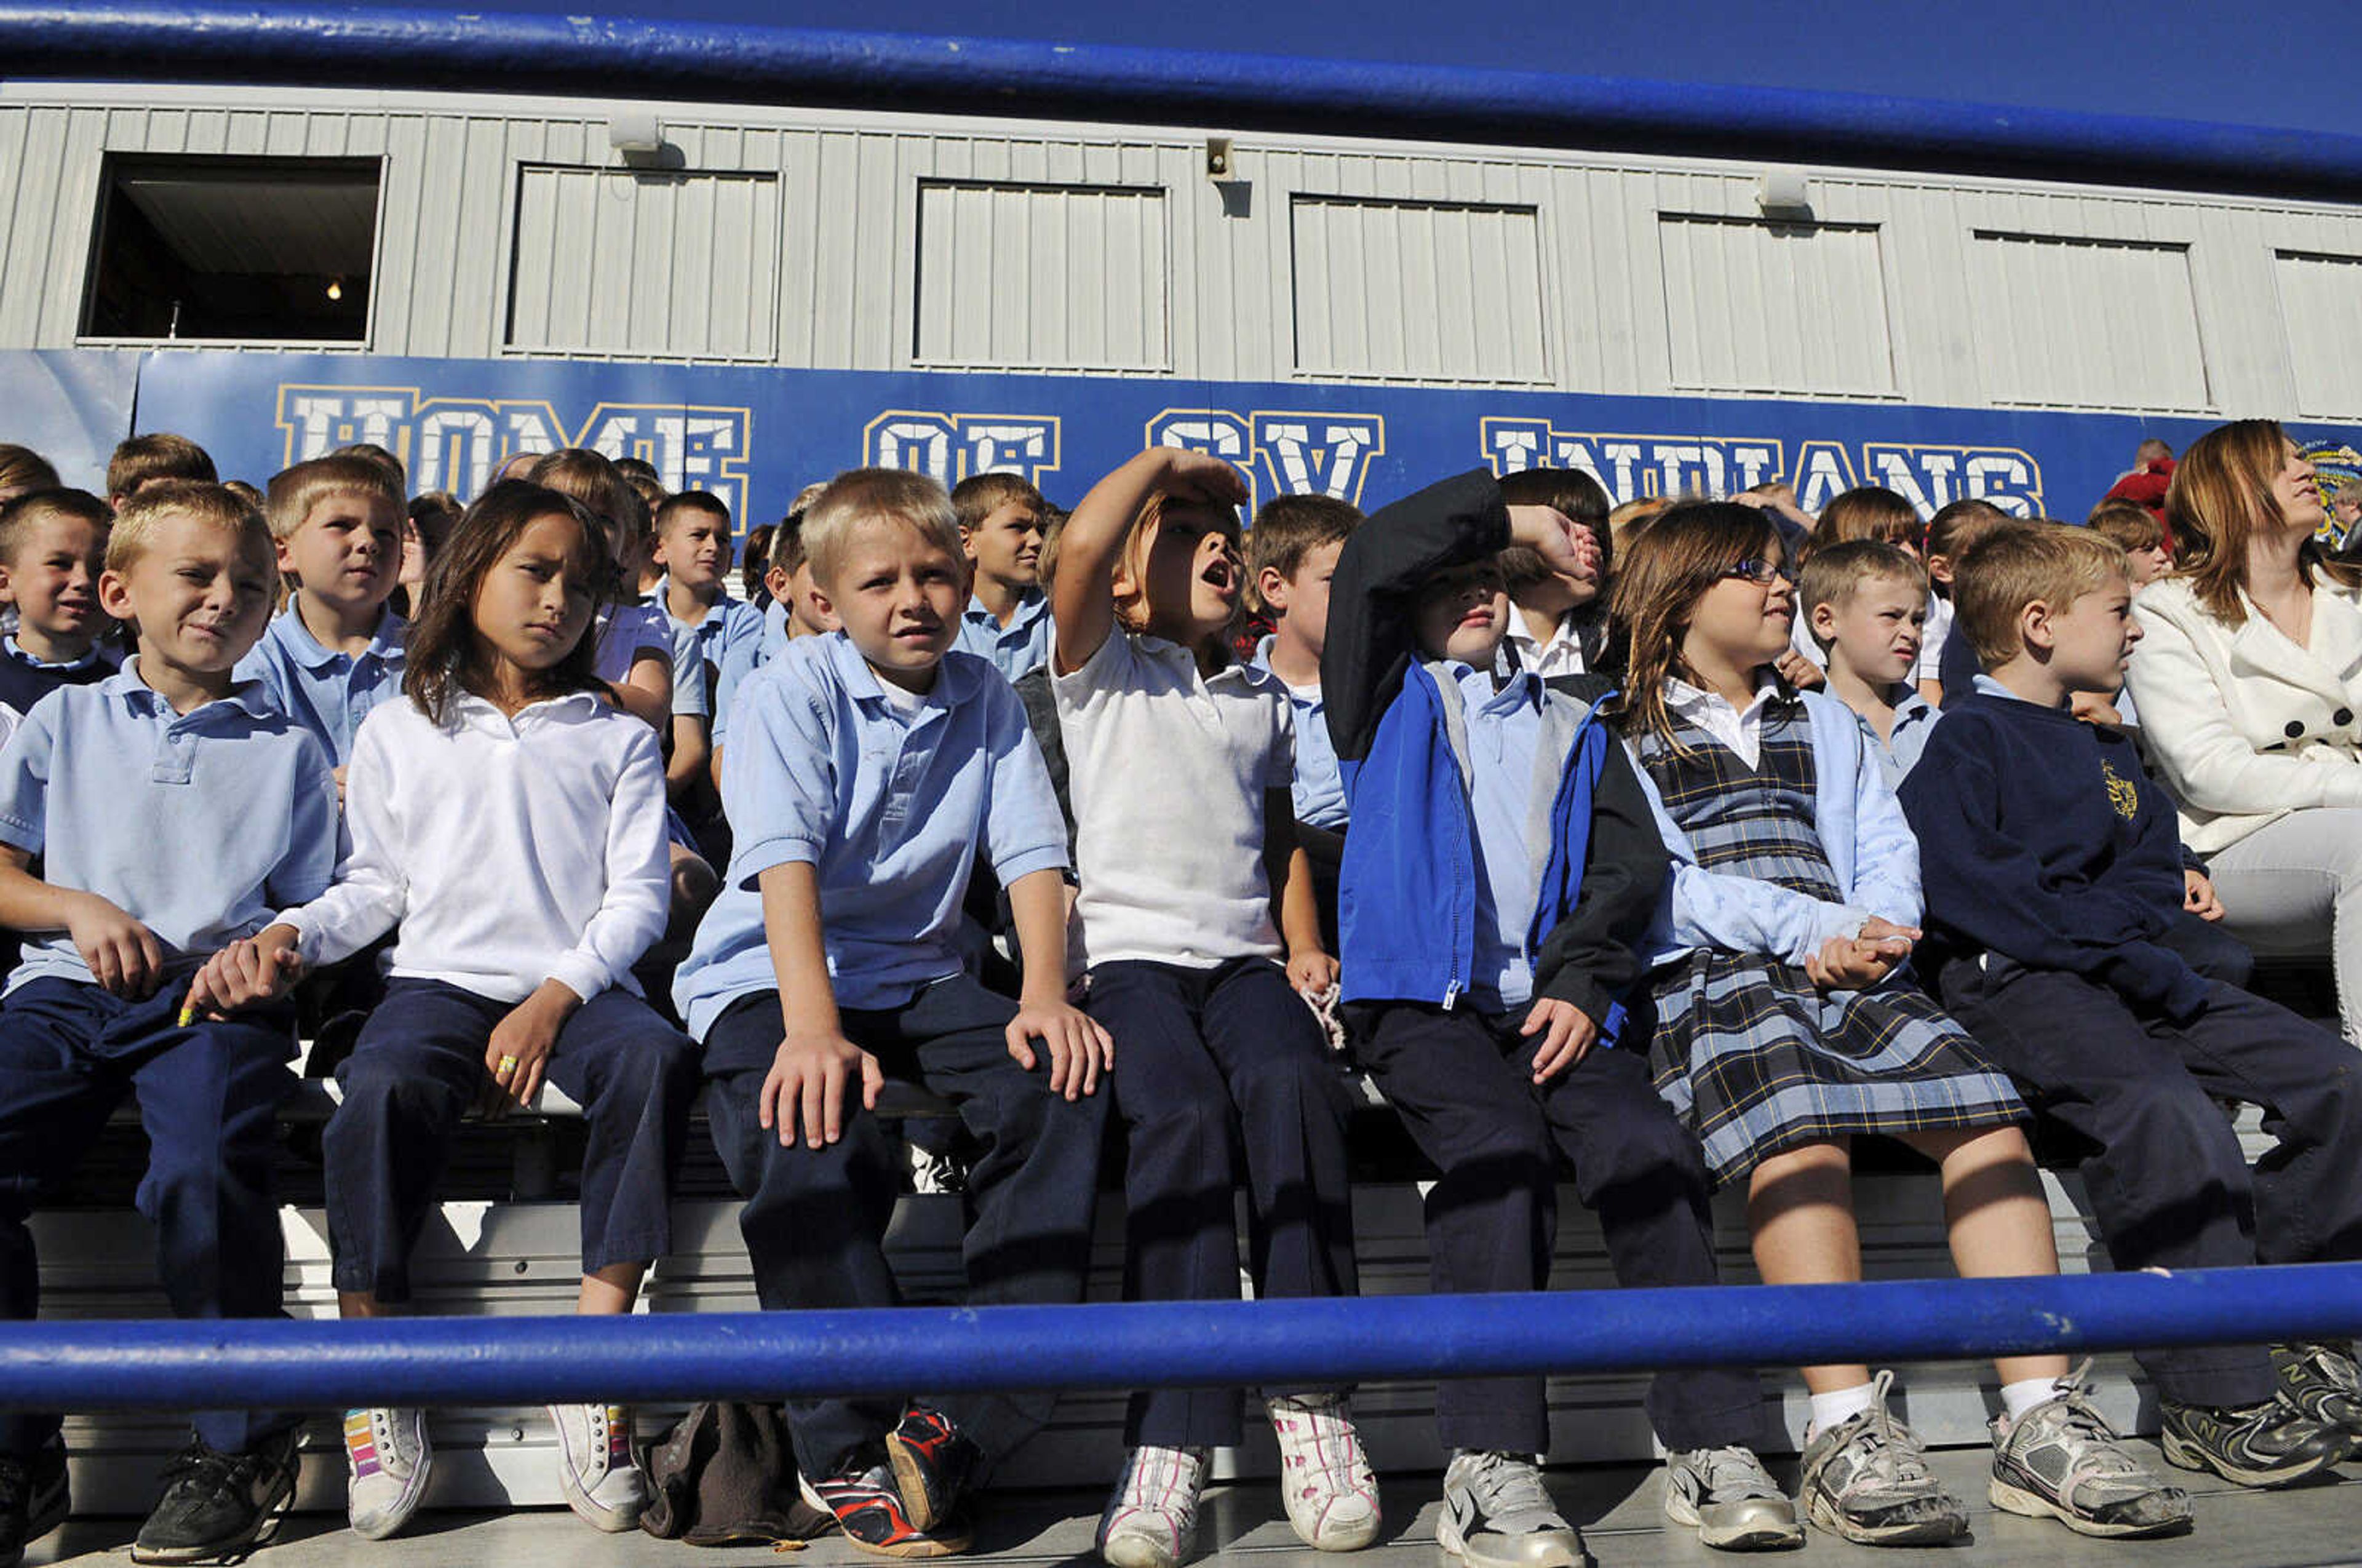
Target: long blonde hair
2220,499
1665,572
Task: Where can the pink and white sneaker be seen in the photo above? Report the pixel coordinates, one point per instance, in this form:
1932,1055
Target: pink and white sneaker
1151,1519
1324,1478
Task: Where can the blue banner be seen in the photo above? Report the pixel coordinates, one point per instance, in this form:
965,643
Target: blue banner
70,405
756,435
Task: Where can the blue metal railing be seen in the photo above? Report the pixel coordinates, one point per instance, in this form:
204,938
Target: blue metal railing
501,1361
715,61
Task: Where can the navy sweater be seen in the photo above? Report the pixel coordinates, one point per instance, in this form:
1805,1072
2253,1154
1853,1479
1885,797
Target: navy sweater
2042,839
23,684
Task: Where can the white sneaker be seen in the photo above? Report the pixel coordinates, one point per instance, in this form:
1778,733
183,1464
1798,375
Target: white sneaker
1497,1514
1324,1479
1151,1518
595,1471
1730,1498
390,1460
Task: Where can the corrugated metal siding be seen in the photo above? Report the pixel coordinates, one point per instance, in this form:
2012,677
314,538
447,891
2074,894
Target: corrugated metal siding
671,264
1461,265
2321,308
2077,322
1419,291
1775,308
1057,277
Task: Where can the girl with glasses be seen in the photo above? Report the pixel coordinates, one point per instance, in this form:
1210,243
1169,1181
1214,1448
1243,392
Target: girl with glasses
1787,1022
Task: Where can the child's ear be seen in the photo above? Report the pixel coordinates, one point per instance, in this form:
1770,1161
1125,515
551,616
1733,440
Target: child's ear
7,587
1272,586
114,595
2034,626
1939,569
819,599
968,543
1823,621
283,551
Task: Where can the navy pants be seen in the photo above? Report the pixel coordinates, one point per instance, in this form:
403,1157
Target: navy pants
209,1095
1462,1083
815,1220
2163,1167
1215,1069
417,1067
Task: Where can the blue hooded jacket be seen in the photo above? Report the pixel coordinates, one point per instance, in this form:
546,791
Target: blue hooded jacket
1410,858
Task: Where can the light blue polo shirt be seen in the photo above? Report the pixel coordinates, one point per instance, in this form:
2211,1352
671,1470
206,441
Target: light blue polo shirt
201,826
1914,720
327,692
1319,792
1504,728
891,803
743,658
710,641
1017,648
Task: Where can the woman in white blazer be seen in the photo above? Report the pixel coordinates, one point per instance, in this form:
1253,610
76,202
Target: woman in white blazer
2248,679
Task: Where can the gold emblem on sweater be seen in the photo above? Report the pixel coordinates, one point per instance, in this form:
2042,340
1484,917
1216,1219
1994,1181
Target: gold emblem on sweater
2122,793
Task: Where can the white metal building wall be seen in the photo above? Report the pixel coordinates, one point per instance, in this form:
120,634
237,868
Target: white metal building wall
840,241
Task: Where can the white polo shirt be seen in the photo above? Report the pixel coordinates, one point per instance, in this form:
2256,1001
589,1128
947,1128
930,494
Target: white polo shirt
510,851
1166,771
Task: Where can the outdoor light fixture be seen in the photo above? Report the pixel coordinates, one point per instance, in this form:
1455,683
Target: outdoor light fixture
1781,192
636,130
336,288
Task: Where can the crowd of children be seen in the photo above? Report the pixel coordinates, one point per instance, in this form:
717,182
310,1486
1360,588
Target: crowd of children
1656,848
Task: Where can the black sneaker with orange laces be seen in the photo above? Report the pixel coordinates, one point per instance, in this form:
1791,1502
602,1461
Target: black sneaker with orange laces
864,1502
933,1466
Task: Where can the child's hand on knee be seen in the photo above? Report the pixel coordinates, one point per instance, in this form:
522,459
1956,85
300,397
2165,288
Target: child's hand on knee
1567,1033
124,955
807,1082
2198,896
1079,1049
518,1053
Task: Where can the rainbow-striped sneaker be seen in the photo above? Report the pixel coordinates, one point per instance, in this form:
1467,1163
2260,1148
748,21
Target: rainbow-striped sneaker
390,1460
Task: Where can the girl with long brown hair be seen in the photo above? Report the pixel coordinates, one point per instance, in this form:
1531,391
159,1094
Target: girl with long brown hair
1786,1023
511,820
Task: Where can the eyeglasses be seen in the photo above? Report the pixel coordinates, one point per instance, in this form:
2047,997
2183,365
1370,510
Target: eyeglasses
1761,573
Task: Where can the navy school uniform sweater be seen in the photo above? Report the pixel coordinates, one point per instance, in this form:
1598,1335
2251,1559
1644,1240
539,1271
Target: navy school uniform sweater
1408,858
22,684
2042,839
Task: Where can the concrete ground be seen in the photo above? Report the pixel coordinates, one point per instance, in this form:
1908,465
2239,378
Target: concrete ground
1617,1507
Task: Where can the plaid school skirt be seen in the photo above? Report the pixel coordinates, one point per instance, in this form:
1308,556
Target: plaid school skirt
1758,1061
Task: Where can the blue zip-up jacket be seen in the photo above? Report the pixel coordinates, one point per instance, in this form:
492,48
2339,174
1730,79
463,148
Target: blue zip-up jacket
1409,862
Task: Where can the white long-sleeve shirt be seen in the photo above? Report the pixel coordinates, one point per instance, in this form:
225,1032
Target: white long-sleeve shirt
510,852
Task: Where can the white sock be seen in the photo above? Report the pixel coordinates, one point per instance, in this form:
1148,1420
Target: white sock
1833,1410
2018,1398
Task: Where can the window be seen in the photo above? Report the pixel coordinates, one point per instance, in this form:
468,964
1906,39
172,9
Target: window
2075,323
1775,308
253,249
1415,291
2321,311
671,262
1045,277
